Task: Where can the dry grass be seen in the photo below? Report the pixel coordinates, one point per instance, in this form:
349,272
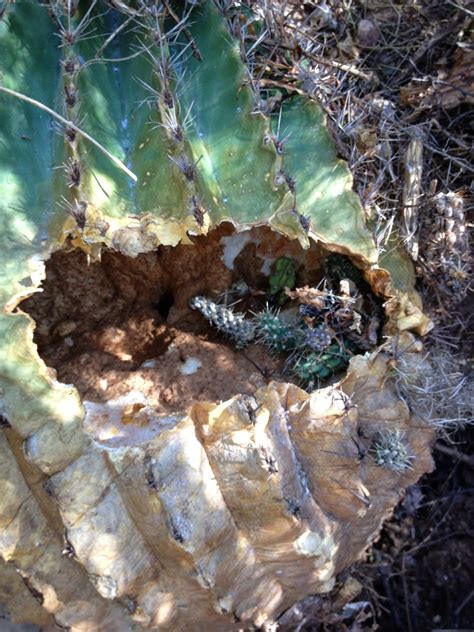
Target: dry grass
437,388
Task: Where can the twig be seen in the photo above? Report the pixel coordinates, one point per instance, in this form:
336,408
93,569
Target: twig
73,126
283,85
457,161
339,65
186,31
405,594
426,45
464,603
461,8
442,499
331,62
263,371
113,35
448,536
385,571
460,456
320,60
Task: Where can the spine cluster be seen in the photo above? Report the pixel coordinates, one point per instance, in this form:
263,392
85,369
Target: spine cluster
273,332
392,451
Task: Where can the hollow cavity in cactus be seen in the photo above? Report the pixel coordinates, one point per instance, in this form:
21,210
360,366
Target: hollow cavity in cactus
136,175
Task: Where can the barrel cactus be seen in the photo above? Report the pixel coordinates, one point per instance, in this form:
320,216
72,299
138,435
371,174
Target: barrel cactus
154,475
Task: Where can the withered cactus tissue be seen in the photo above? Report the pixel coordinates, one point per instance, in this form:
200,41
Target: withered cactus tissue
154,476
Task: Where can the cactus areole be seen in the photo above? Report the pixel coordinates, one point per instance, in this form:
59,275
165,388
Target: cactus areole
154,474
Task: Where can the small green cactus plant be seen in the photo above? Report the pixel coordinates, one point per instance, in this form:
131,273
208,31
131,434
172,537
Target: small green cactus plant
312,368
274,332
283,276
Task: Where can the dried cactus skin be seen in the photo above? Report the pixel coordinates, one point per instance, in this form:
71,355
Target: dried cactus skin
291,502
22,604
32,544
217,518
395,278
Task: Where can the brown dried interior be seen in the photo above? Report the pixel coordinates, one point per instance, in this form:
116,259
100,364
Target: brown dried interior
123,324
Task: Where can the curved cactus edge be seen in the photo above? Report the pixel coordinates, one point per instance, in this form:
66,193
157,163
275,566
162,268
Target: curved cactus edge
392,278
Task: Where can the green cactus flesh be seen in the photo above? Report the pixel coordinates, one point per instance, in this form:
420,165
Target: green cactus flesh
223,158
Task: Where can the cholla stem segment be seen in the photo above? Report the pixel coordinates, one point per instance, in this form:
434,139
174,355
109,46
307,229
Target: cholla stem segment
392,451
232,324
